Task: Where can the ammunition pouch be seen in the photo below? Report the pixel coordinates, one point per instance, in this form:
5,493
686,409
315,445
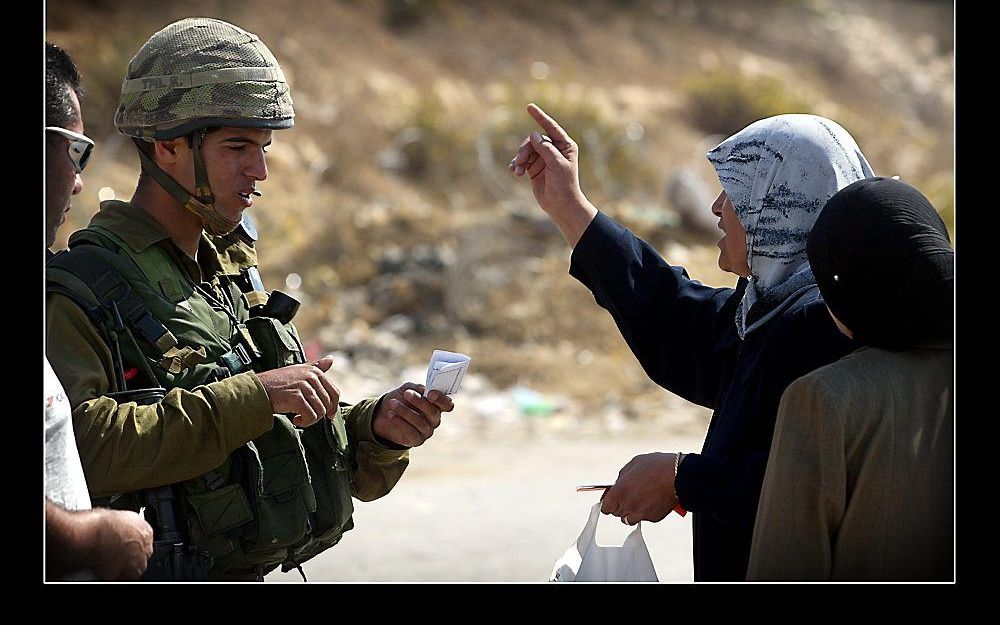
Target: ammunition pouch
326,452
273,344
289,500
292,497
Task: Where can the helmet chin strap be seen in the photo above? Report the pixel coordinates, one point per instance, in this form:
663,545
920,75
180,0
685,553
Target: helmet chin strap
213,223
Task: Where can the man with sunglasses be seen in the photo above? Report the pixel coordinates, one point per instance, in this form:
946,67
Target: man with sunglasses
79,149
80,543
63,176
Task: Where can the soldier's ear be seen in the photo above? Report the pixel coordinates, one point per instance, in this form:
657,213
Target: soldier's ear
170,151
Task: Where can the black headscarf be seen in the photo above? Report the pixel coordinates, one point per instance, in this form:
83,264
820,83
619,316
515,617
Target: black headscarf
884,263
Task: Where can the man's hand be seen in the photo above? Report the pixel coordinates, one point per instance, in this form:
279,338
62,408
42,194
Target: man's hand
114,544
121,546
552,163
644,490
405,417
302,389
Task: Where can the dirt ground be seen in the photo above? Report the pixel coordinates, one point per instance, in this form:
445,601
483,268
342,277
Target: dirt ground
499,505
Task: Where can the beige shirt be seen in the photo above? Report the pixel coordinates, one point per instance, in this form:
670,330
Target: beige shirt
860,479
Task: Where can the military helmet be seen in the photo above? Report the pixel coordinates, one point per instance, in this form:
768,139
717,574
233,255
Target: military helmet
200,72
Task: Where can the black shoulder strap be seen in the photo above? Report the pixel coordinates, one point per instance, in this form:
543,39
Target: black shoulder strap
113,292
57,261
117,303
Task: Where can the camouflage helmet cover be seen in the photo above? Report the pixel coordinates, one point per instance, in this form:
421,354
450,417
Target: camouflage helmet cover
201,72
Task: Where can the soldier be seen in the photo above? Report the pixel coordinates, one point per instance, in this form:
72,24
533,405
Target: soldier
190,392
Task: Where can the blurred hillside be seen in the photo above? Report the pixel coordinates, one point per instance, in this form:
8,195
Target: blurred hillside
389,211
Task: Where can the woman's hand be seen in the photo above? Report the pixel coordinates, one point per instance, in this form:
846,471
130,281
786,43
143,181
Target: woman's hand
644,490
551,162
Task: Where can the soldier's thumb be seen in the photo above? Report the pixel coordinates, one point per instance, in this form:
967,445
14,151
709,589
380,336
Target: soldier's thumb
325,363
549,153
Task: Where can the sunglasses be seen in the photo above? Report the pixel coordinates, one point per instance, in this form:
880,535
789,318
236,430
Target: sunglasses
80,146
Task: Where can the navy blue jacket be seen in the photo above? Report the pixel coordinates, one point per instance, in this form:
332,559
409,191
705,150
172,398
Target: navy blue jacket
684,335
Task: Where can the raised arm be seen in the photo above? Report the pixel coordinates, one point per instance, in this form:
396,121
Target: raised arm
680,330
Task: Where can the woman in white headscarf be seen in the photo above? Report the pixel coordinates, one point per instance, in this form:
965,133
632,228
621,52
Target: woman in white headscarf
733,350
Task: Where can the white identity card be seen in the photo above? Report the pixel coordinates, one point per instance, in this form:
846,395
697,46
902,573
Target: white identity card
445,372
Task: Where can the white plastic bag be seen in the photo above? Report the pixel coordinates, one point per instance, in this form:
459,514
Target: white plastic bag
586,561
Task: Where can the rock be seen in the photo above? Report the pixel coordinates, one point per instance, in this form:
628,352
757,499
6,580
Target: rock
692,199
398,325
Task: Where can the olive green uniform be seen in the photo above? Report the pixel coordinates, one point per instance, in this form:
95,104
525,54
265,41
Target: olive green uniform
125,447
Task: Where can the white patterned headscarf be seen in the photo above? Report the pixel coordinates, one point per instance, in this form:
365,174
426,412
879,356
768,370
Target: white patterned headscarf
778,173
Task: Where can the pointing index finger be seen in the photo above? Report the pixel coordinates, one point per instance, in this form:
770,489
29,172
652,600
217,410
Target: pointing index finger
548,124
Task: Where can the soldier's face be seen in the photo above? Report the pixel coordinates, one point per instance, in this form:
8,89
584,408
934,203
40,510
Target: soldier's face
235,160
61,180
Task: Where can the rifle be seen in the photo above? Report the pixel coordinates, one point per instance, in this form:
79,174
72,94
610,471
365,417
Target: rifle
172,559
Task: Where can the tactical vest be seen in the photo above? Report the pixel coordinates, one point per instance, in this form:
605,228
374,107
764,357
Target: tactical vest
281,498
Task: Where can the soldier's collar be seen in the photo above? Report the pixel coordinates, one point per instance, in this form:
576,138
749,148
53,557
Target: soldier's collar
208,258
133,225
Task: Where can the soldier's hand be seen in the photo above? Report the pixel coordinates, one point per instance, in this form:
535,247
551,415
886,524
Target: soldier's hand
302,389
122,544
406,417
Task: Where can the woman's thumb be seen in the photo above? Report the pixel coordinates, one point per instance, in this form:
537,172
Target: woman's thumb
543,145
